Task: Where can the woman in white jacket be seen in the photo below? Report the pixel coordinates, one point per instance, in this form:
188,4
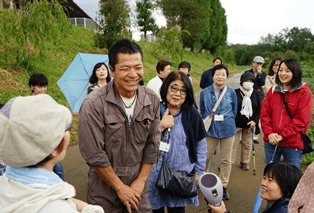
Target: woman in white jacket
34,137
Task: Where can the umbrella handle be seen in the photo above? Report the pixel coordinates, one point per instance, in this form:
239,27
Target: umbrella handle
258,201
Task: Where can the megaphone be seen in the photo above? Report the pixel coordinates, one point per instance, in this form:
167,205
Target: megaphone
211,187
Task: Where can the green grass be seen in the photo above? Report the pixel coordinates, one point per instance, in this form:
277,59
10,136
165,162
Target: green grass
58,55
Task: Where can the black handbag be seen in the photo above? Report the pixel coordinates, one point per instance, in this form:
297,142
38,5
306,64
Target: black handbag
176,183
179,184
305,137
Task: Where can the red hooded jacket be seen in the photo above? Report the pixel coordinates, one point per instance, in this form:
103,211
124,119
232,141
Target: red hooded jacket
275,119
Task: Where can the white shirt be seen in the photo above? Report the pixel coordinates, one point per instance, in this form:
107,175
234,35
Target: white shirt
155,84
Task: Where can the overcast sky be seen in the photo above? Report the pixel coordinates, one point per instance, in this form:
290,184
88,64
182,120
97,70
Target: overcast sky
247,20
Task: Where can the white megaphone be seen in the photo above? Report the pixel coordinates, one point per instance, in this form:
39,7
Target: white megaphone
211,187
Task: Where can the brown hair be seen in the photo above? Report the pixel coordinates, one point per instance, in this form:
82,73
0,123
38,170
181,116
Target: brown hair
161,65
272,63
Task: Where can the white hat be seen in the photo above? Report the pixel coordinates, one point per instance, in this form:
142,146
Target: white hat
259,59
31,128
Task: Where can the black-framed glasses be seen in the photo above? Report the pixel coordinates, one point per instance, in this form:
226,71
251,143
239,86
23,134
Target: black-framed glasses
174,89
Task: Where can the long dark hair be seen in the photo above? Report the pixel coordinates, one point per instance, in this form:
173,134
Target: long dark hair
294,66
93,79
189,99
272,63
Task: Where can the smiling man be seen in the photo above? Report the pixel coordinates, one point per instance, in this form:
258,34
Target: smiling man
119,134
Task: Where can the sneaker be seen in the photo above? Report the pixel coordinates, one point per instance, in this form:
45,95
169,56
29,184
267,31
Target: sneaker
225,195
244,166
255,141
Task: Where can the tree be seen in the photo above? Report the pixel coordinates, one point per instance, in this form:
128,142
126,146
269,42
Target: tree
187,14
294,39
169,45
217,29
114,22
204,19
30,28
144,16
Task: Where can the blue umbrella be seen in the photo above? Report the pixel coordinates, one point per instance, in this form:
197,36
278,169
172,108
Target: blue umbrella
75,79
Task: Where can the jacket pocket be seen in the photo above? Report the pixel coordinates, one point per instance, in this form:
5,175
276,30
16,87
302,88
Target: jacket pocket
142,127
115,128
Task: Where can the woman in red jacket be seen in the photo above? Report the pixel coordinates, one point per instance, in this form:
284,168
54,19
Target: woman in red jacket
277,126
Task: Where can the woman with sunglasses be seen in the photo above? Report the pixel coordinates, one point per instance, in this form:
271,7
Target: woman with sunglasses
184,132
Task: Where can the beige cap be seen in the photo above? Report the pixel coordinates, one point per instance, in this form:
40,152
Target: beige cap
31,128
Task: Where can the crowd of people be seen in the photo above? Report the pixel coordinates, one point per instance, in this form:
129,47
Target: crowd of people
128,134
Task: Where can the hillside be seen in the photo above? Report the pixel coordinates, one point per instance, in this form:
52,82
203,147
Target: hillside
58,55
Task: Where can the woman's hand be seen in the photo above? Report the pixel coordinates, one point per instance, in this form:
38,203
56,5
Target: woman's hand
196,178
274,138
167,121
252,124
219,209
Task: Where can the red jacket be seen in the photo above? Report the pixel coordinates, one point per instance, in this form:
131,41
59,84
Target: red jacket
275,119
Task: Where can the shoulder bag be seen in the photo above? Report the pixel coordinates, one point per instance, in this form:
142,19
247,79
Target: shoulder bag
176,183
209,118
305,137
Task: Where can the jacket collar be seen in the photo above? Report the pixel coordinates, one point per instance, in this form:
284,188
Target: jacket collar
279,87
141,95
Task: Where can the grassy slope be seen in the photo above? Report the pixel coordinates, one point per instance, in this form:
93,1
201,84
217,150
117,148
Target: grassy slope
57,57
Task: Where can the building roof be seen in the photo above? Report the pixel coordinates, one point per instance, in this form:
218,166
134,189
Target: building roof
74,11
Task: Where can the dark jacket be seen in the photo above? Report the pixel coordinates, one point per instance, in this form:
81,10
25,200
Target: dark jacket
280,206
242,120
259,80
193,126
207,78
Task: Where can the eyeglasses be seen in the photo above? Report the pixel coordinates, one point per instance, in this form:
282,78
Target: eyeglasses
175,89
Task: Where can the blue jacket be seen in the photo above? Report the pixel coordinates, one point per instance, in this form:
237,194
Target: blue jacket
227,108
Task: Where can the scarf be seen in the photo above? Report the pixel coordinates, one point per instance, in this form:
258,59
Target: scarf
33,177
246,109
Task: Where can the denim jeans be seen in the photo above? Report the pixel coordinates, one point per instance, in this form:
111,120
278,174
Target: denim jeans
290,155
58,169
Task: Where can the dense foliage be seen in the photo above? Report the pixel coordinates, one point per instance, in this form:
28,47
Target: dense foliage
205,21
114,22
30,28
294,43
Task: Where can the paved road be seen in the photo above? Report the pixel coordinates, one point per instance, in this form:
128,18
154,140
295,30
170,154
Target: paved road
243,185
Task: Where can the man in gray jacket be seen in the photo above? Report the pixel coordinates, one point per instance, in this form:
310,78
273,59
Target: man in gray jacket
119,134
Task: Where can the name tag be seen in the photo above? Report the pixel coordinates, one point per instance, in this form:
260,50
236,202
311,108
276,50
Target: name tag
164,146
219,118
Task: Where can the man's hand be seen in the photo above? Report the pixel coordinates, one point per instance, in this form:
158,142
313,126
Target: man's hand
167,121
274,138
259,70
138,186
252,124
129,197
